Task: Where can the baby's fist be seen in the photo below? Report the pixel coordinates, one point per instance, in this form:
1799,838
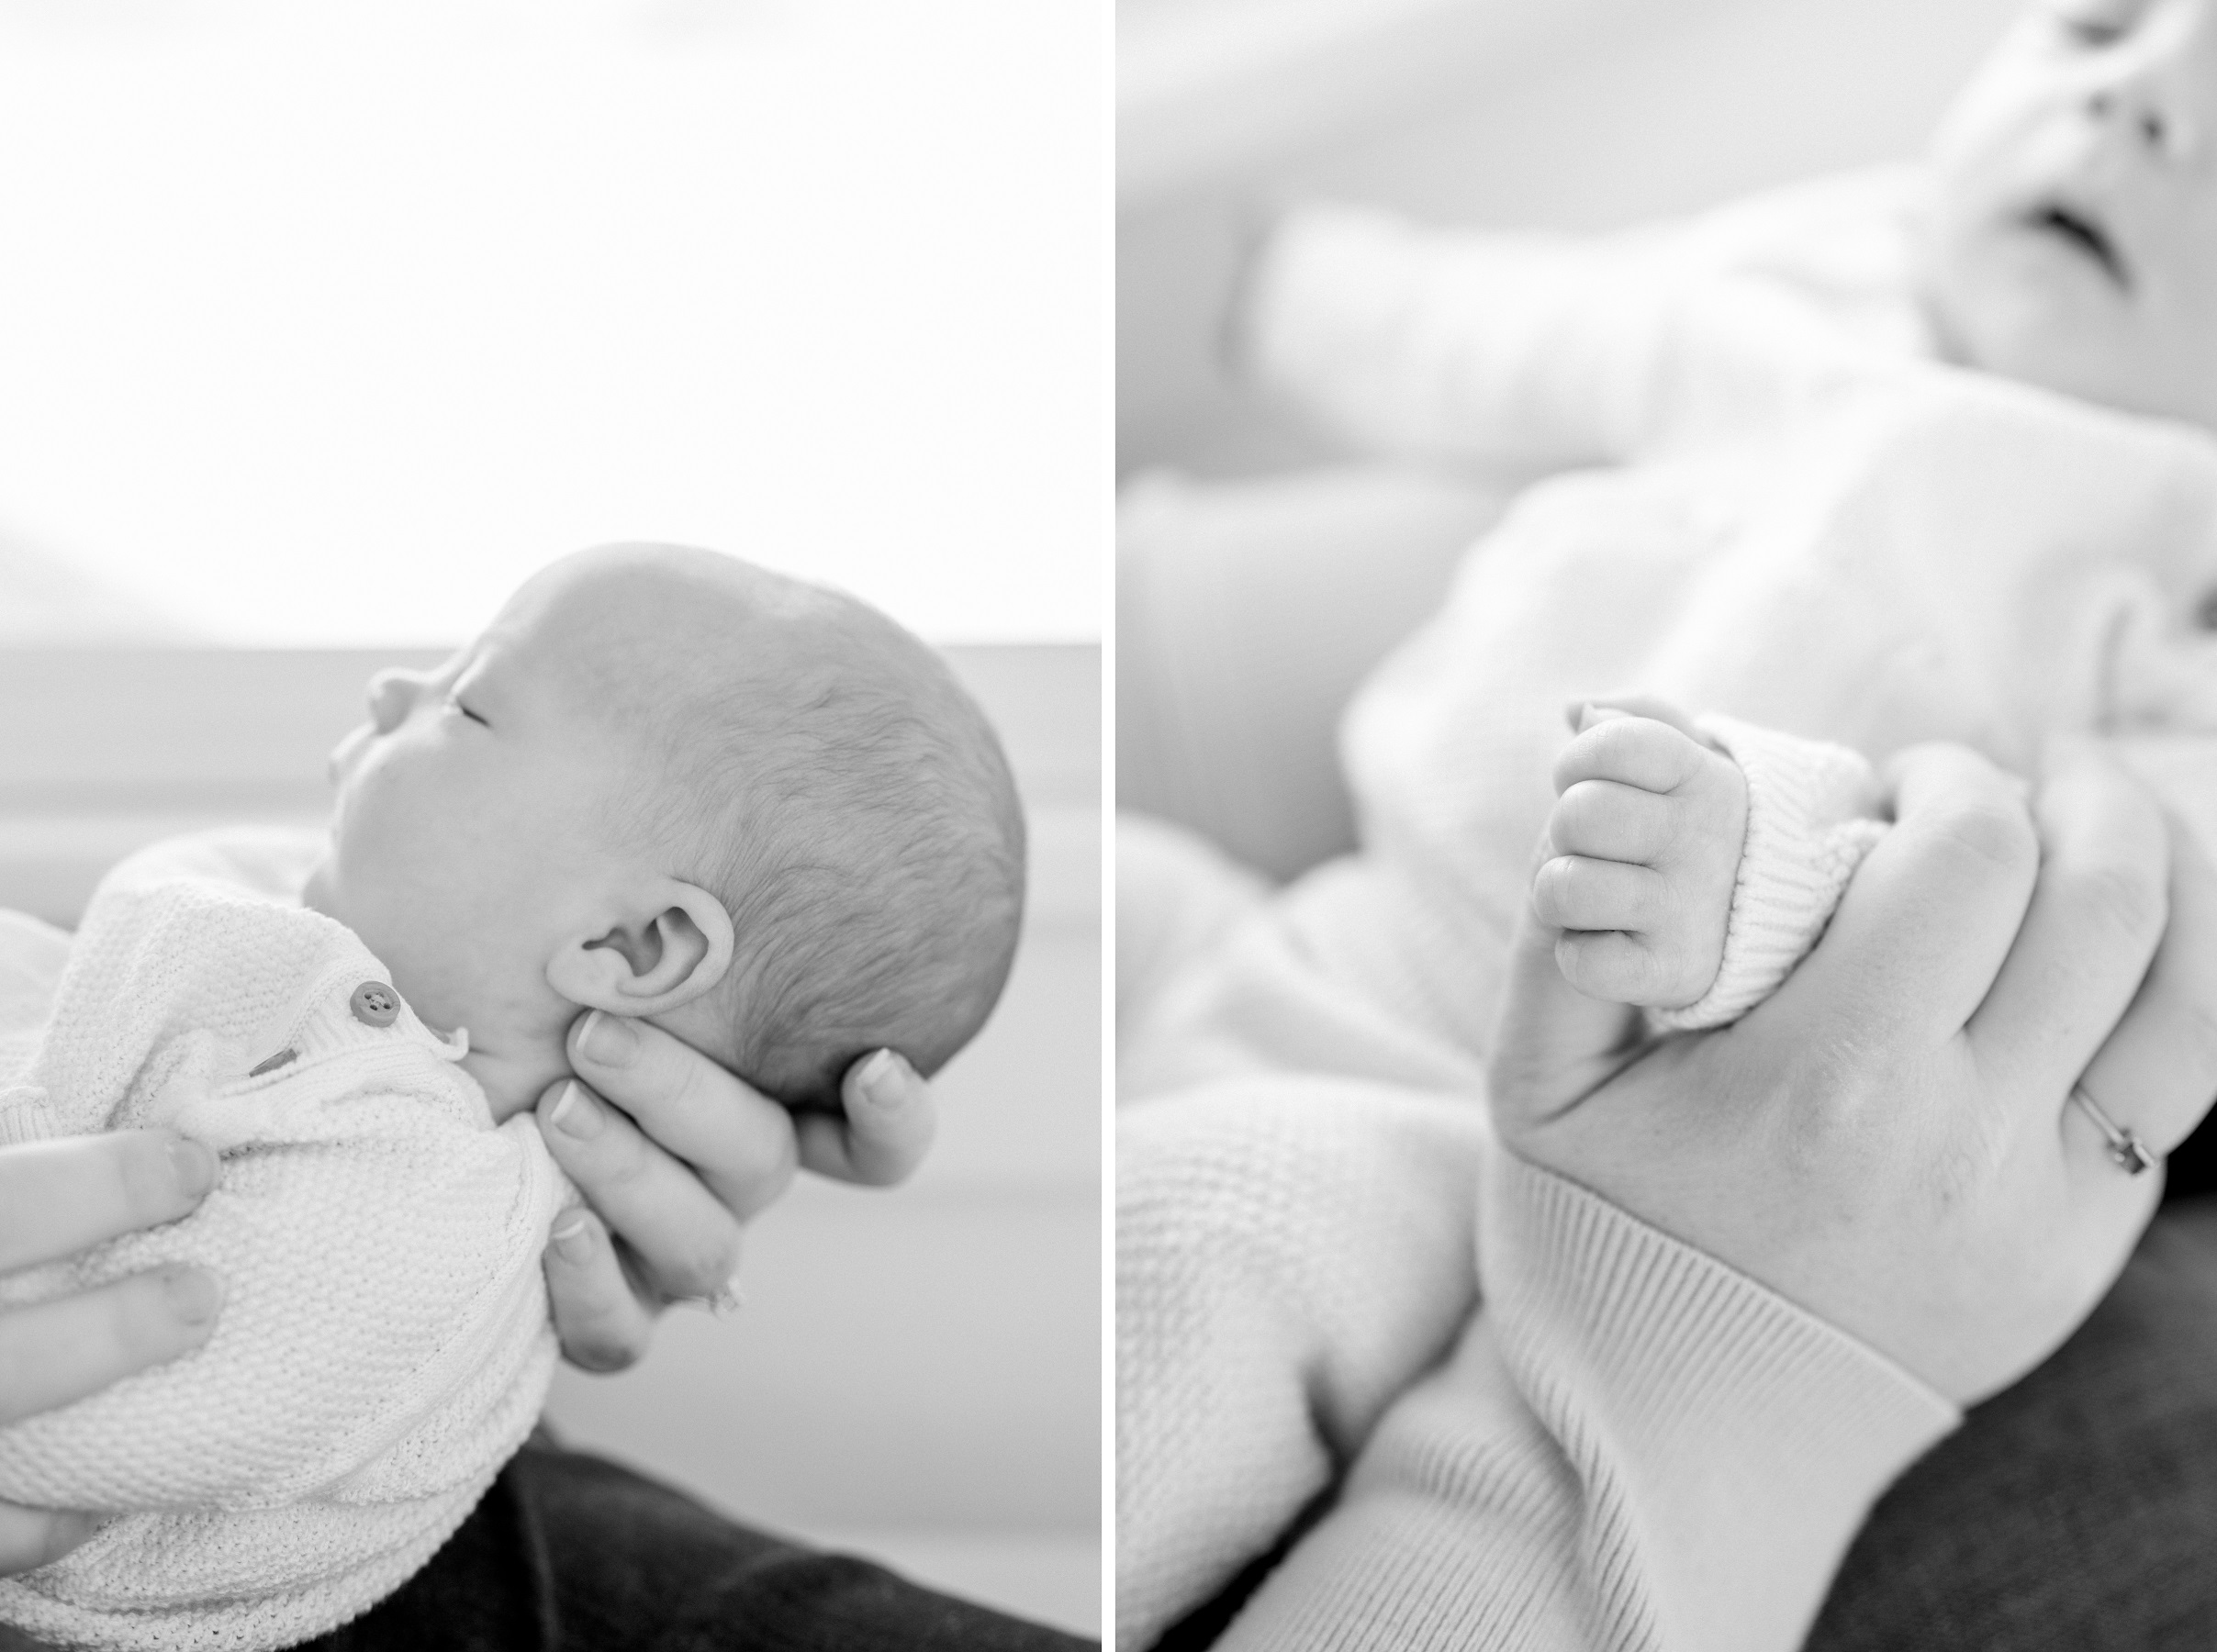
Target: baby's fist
1643,851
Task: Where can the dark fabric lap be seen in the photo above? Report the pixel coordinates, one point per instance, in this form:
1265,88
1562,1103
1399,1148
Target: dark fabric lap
2077,1510
568,1553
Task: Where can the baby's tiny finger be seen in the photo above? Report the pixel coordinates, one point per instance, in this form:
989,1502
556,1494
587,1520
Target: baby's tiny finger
1633,751
1607,965
1572,893
602,1323
31,1537
1605,821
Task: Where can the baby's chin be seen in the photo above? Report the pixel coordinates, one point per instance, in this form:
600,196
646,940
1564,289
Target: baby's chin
319,894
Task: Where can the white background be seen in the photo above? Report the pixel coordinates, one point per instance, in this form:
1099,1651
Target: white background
325,323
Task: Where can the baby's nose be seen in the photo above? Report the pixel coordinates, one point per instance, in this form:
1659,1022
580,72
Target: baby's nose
391,693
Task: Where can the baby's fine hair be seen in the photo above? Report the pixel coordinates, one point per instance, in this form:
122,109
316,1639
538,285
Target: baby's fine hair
847,800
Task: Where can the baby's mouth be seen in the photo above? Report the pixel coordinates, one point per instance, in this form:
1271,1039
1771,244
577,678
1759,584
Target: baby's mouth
2085,235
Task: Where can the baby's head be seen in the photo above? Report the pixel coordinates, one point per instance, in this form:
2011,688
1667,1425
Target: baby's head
665,783
2072,237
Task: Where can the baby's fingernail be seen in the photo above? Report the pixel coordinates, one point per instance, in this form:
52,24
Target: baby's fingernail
194,1165
572,1237
608,1040
880,1079
574,1113
193,1295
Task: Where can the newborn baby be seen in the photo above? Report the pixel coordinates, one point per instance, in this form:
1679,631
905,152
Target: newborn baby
663,783
1917,455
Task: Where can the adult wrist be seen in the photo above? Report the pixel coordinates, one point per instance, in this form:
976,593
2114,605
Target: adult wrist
1744,1437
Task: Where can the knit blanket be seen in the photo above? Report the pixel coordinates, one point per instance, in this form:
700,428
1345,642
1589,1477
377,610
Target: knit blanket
384,1344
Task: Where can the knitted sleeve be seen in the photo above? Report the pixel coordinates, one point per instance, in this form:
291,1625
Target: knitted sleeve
1632,1447
1518,352
1290,1255
1806,835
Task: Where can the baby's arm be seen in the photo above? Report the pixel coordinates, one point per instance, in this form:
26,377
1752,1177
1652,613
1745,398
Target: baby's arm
1520,352
1690,866
1292,1252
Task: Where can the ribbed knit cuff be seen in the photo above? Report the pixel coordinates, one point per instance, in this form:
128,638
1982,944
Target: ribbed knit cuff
1805,839
1635,1446
1737,1437
25,1115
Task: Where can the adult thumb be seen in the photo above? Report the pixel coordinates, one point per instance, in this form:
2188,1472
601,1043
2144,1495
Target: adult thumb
1553,1047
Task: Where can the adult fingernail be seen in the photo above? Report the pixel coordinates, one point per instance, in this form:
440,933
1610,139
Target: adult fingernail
193,1295
194,1165
881,1081
574,1114
572,1237
608,1039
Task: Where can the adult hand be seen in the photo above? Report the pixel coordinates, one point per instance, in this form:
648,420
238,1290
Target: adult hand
1886,1140
684,1156
57,1197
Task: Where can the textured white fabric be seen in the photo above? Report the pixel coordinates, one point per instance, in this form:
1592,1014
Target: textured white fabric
1293,1250
384,1344
1632,1447
1800,521
1805,524
1808,827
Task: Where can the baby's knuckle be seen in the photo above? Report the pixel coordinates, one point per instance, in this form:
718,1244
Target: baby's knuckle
1572,821
1551,892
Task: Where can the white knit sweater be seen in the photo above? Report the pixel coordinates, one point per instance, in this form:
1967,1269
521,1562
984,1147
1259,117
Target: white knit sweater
384,1344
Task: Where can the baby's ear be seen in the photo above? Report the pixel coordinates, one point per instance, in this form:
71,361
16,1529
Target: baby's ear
674,946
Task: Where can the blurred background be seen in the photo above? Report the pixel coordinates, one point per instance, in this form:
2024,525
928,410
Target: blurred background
1571,114
323,326
1261,570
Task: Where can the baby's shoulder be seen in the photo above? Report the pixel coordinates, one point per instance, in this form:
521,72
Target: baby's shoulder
270,863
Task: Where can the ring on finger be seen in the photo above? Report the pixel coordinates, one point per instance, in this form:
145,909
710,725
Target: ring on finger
2126,1151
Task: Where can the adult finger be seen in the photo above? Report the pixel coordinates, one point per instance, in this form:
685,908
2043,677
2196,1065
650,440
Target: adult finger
2096,917
600,1318
57,1197
31,1537
1931,913
885,1129
736,1139
684,1237
2158,1071
54,1352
